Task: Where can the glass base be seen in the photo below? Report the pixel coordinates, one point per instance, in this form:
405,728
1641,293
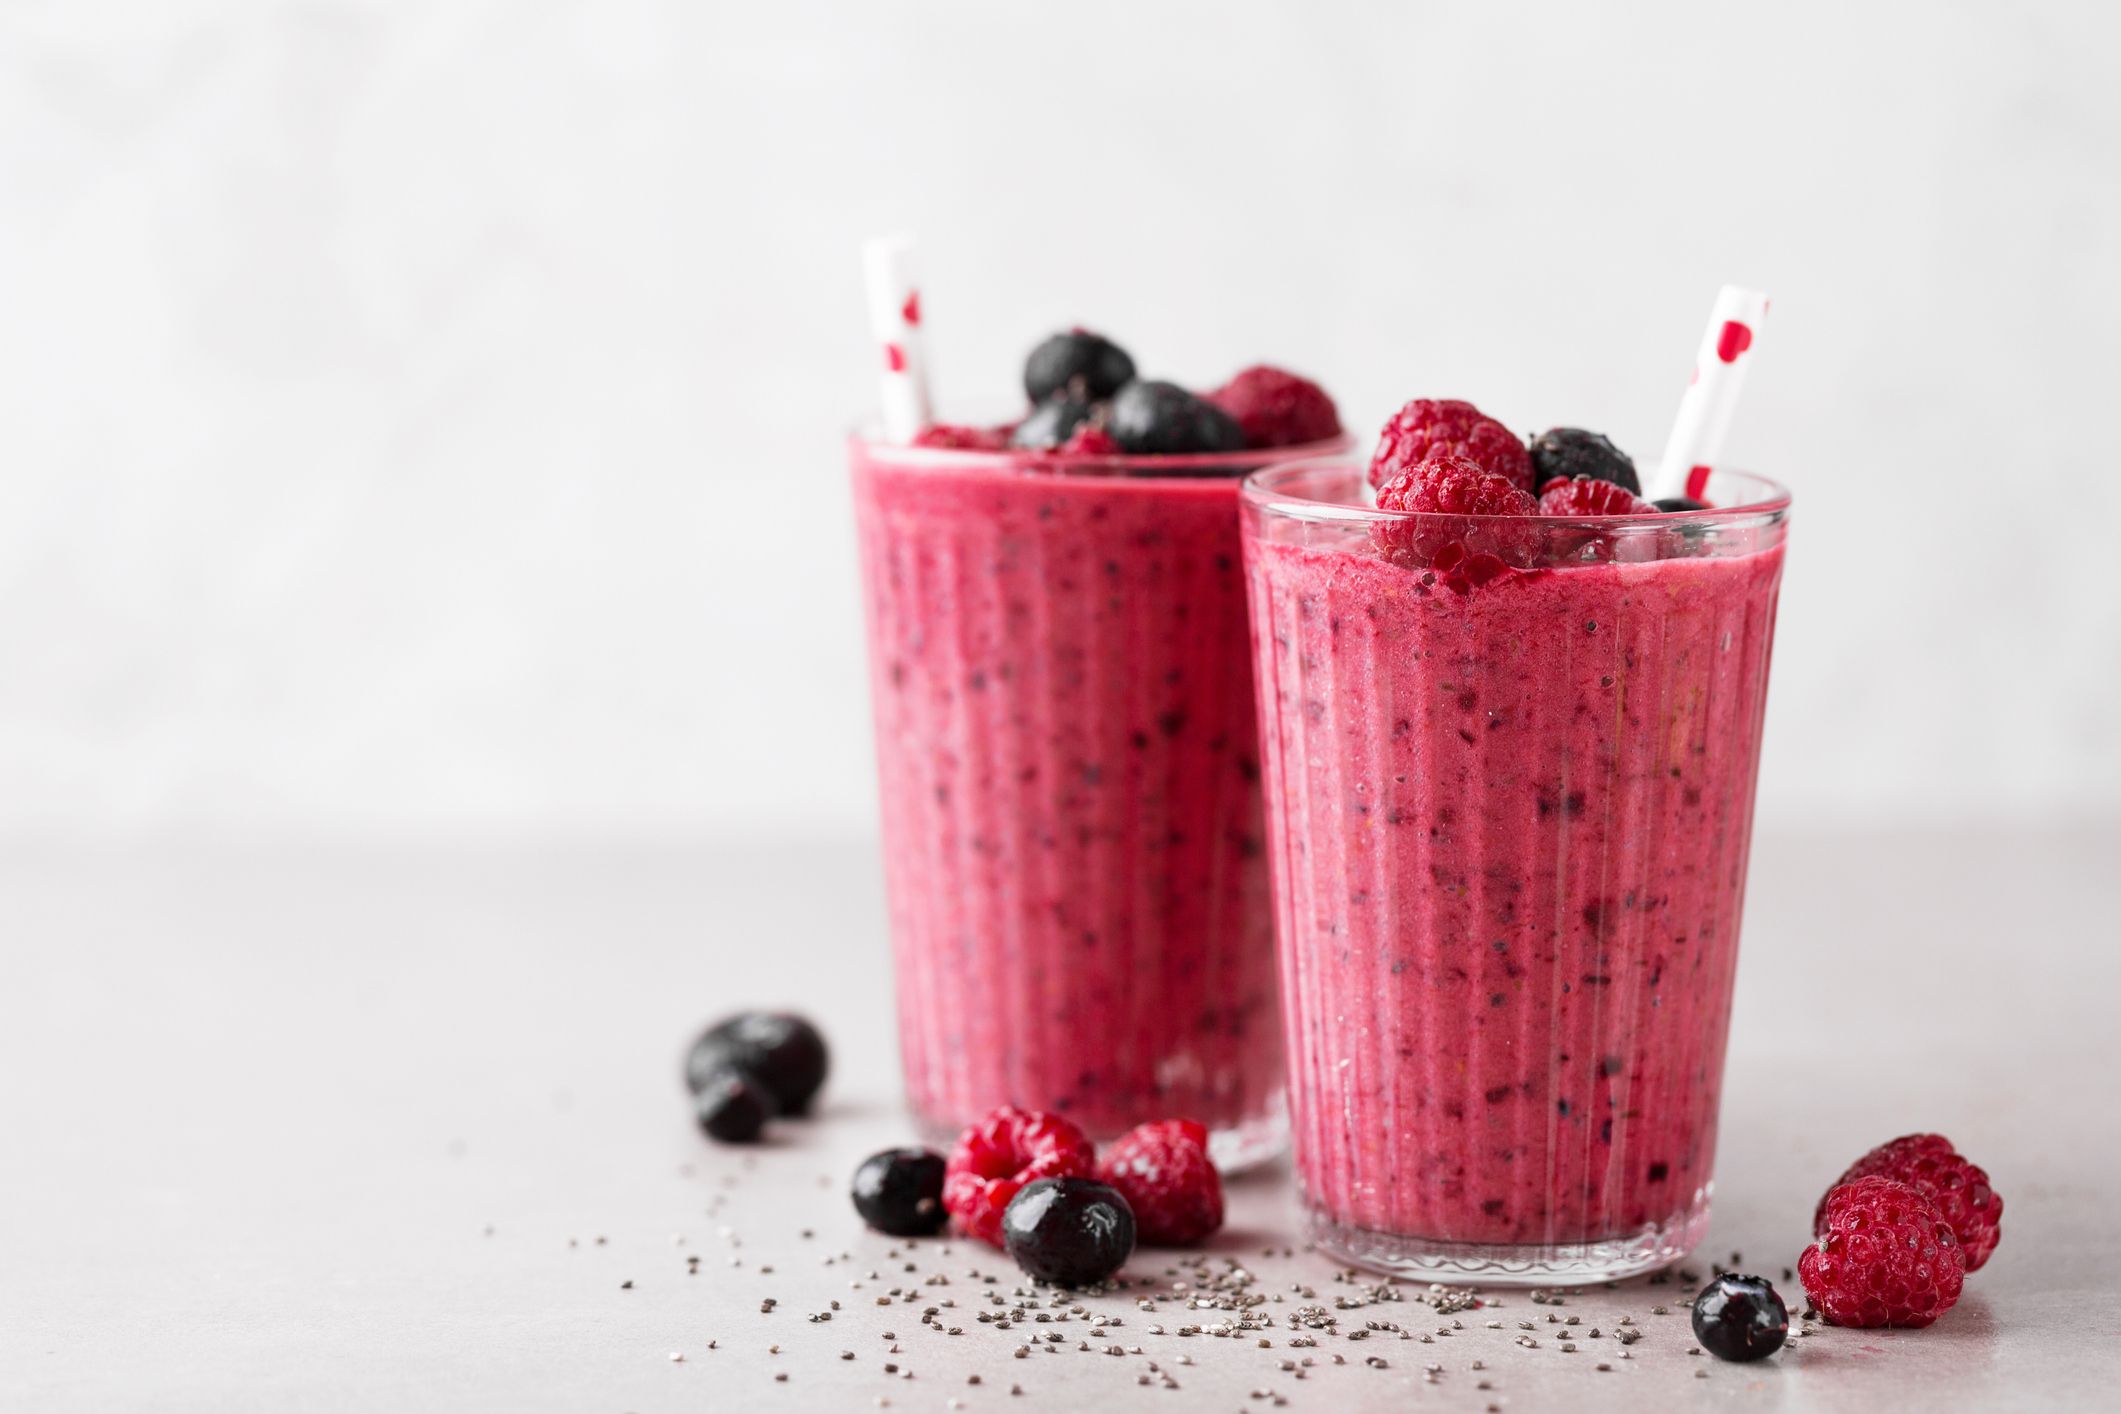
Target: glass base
1510,1264
1248,1144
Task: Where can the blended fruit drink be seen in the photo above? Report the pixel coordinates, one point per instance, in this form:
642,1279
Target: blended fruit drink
1067,752
1510,751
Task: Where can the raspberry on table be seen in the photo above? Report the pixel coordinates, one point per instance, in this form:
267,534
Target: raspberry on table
1276,408
1428,425
1164,1172
1884,1257
959,437
1958,1187
996,1156
1589,496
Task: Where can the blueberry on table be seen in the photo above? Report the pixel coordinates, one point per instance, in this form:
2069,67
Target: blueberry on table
1068,1231
900,1192
733,1107
1087,366
1152,418
779,1050
1051,423
1572,452
1740,1318
1679,503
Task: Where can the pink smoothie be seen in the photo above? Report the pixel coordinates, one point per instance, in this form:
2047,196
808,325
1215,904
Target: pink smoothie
1069,775
1509,826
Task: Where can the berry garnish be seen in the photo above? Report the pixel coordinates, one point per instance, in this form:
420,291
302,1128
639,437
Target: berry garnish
1087,366
1069,1231
958,437
1587,496
1884,1257
1275,408
999,1155
1050,424
900,1191
1957,1187
1740,1318
1570,452
1164,1173
1089,439
781,1051
1428,425
1679,503
1152,418
1448,484
733,1106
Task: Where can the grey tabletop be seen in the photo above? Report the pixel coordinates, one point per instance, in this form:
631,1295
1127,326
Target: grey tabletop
307,1127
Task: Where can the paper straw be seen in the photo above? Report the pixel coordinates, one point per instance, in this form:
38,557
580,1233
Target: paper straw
895,320
1712,393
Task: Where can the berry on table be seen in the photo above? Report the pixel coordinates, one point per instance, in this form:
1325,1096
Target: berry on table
1068,1231
1276,408
1957,1186
732,1106
1087,366
781,1051
1588,496
998,1155
1884,1257
1164,1173
1152,418
1050,424
900,1191
1740,1318
1428,425
1569,452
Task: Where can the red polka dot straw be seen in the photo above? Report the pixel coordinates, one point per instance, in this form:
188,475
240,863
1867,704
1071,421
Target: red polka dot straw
895,323
1712,391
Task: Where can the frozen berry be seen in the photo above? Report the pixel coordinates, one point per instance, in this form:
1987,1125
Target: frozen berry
1086,366
1428,425
1164,1173
1884,1257
900,1191
1050,424
733,1106
1275,408
957,437
1740,1318
1958,1187
1679,503
781,1051
1069,1231
1151,418
1089,439
1570,452
1587,496
999,1155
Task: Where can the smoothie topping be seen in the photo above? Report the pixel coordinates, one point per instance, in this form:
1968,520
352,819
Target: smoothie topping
1051,423
1428,425
1450,484
1885,1257
1154,418
1068,1231
1588,496
1567,452
957,437
1086,366
1164,1172
999,1155
1276,408
1959,1188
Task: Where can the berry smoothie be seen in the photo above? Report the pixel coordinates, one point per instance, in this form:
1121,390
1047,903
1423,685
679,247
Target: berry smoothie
1509,796
1069,768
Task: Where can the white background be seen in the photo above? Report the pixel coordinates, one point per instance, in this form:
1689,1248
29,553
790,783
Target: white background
426,417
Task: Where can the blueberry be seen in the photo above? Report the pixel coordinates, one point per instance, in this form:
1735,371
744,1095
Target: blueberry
1069,1231
733,1106
1740,1318
1679,503
782,1052
1571,451
1050,423
1162,419
1086,365
900,1191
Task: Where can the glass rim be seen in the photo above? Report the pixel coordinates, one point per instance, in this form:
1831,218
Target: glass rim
1765,502
1134,466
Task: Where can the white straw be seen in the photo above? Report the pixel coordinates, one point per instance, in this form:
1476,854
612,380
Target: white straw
1712,395
895,320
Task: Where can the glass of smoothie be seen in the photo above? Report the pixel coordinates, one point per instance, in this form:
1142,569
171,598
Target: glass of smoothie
1069,771
1509,767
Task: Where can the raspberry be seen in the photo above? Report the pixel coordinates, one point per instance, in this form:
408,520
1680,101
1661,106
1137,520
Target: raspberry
1427,425
1164,1173
1450,485
1587,496
1959,1188
1276,408
958,437
1447,484
1885,1257
1089,439
999,1155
